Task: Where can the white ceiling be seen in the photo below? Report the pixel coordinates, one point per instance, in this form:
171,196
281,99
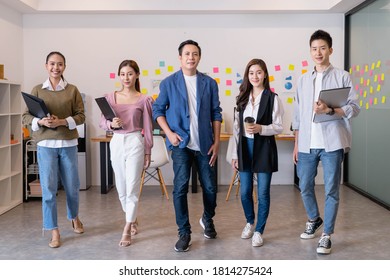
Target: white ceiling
181,6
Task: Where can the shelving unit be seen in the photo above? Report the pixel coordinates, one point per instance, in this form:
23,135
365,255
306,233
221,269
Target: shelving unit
11,152
32,186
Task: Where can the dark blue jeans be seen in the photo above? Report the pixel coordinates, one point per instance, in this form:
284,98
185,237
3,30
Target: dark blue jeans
263,193
182,163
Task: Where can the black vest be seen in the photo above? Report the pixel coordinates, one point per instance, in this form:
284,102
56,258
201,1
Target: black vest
265,153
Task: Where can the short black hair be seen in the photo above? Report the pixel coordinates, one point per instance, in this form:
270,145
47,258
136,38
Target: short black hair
321,35
189,42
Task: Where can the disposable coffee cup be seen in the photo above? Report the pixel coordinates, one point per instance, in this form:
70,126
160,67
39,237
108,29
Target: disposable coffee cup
249,121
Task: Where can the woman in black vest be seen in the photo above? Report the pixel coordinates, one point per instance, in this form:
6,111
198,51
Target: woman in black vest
258,119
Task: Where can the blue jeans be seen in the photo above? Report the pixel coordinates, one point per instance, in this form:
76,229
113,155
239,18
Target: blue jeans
307,171
263,193
58,165
182,163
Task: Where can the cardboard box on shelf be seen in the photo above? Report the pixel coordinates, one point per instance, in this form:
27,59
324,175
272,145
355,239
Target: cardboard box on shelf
35,187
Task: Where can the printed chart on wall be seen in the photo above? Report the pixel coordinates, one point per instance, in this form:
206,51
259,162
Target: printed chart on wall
283,78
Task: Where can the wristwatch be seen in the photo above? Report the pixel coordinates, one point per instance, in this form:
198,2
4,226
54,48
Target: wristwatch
331,112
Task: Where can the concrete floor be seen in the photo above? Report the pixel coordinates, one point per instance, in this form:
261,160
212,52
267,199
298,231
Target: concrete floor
362,229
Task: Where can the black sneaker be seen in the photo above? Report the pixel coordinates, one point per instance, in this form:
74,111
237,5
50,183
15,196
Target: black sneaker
324,245
311,228
184,243
209,229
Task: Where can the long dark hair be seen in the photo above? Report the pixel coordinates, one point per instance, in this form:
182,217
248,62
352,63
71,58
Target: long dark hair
56,53
134,65
246,87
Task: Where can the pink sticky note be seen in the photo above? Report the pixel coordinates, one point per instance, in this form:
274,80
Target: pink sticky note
112,75
215,70
228,82
277,68
356,87
370,101
304,63
370,73
273,89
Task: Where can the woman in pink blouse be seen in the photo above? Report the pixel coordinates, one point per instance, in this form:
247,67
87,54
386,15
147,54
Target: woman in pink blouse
130,150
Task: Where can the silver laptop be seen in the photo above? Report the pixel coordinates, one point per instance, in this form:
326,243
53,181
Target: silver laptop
334,98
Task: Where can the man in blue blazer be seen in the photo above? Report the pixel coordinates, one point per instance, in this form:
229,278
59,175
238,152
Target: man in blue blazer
189,112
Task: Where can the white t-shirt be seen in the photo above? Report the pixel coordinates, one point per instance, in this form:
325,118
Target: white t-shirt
193,144
317,139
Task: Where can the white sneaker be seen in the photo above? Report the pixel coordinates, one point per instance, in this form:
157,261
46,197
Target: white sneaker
247,232
257,241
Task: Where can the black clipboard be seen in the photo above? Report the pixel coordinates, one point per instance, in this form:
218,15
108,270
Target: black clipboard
36,106
105,108
334,98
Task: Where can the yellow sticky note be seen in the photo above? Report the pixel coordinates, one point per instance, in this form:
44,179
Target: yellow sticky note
271,78
382,77
145,72
361,80
291,67
290,100
375,78
367,106
373,66
378,88
350,70
357,67
383,99
368,82
218,80
371,90
366,68
157,71
375,100
144,90
170,68
378,64
304,71
117,84
228,92
365,94
361,103
228,70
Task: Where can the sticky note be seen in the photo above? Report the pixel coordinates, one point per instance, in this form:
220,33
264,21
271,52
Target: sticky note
271,78
357,67
145,72
273,89
378,88
228,82
361,103
218,80
370,73
375,101
356,87
228,70
290,100
371,89
366,68
383,77
304,63
375,78
215,70
350,70
367,106
291,67
154,96
304,71
383,99
161,63
144,90
373,66
170,68
277,68
228,92
157,71
361,80
365,94
117,84
378,64
112,75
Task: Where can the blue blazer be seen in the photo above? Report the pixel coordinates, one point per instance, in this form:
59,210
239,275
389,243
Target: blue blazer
172,103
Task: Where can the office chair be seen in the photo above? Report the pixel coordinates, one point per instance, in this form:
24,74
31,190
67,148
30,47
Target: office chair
159,158
236,176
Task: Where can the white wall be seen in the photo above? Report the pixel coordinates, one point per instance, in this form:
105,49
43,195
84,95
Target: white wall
94,45
11,46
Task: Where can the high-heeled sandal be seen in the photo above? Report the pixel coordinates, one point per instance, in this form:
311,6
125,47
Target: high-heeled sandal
134,228
77,226
123,242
